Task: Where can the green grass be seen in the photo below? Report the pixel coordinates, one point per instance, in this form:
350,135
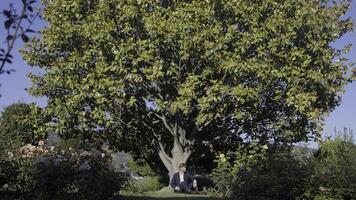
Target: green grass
167,196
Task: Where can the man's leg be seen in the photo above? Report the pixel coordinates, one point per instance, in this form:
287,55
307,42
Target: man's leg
190,186
184,187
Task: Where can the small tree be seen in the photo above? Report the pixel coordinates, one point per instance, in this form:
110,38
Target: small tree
17,122
168,77
334,169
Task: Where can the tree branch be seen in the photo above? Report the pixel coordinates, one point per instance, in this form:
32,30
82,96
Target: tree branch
163,151
187,154
167,161
11,44
164,120
182,135
200,128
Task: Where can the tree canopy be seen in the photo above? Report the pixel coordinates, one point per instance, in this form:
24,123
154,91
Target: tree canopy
173,77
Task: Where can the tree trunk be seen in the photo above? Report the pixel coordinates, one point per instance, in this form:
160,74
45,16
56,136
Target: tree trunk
179,155
181,150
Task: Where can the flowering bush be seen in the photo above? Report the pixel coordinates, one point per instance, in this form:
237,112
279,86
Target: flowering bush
42,172
14,171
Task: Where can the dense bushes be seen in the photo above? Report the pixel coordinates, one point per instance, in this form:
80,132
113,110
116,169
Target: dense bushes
81,170
147,184
150,180
259,173
141,167
278,176
224,175
334,170
276,173
39,172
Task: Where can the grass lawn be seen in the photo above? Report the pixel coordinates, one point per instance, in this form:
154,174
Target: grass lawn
167,196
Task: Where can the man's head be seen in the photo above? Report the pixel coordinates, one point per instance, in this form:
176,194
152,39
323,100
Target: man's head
182,167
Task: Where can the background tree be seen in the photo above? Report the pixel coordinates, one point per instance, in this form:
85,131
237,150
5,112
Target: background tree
170,77
17,124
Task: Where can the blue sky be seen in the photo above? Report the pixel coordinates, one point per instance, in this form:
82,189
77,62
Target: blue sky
13,86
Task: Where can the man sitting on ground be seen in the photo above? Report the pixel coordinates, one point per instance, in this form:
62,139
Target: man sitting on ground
183,181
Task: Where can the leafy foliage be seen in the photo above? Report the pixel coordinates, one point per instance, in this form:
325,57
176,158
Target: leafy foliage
279,176
279,173
141,167
169,77
147,184
228,167
270,173
38,172
223,176
334,170
21,122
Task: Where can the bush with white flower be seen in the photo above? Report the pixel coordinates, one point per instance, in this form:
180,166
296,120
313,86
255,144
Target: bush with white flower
41,172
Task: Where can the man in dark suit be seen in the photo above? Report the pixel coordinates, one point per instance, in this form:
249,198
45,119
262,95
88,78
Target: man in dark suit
182,181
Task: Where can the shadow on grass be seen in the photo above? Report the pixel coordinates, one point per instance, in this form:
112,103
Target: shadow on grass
158,196
166,198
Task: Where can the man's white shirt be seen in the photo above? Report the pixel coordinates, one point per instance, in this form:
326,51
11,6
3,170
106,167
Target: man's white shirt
181,177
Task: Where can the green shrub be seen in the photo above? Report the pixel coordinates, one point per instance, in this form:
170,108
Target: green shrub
278,173
279,176
21,122
334,170
40,172
260,173
147,184
141,167
16,175
72,143
223,176
150,181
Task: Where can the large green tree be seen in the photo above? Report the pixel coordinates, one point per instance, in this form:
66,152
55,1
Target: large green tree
173,77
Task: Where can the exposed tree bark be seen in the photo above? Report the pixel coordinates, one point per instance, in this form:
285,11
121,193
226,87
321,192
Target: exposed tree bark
179,155
181,150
